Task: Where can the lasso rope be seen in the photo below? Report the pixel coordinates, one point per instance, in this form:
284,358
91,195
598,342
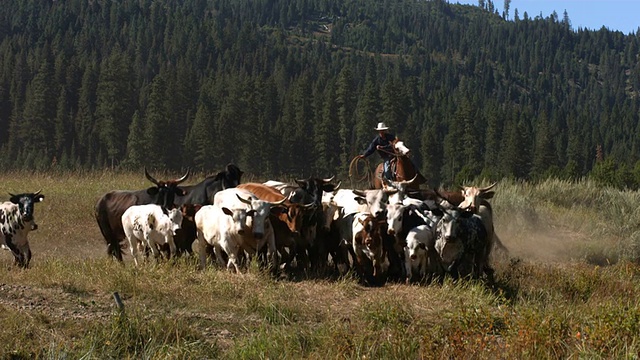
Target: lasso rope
356,176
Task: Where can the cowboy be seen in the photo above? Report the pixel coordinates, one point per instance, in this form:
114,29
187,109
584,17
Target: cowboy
382,143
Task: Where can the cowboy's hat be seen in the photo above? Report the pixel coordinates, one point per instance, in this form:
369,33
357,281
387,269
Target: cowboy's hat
381,126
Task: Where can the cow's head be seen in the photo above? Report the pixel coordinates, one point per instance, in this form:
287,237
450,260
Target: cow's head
26,203
415,248
239,218
376,200
313,189
189,211
372,241
232,176
449,239
175,215
165,191
395,214
292,214
473,195
259,210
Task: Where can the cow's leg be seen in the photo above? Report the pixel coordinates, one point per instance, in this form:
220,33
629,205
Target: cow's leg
153,246
202,250
172,246
407,266
133,248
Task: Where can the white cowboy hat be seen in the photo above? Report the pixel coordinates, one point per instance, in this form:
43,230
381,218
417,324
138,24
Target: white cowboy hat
381,126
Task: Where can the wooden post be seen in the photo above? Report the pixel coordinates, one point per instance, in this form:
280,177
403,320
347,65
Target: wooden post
118,300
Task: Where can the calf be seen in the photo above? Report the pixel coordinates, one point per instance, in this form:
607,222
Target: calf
463,245
16,220
420,256
151,226
370,256
188,233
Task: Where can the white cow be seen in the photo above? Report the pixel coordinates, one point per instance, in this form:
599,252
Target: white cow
420,241
237,221
152,226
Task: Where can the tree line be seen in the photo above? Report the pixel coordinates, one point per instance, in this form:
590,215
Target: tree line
296,87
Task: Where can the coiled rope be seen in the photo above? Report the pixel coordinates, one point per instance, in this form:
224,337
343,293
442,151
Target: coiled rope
358,176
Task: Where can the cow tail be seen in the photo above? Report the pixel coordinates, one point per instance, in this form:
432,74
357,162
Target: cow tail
113,245
499,245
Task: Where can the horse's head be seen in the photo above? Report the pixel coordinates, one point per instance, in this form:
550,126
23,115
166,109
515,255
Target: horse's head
399,148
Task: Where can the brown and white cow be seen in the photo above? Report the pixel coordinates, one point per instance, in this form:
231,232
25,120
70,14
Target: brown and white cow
286,223
370,257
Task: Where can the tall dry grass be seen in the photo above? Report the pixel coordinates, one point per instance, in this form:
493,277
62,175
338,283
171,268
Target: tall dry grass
569,288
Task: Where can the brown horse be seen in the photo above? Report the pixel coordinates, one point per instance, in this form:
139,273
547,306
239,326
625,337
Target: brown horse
403,168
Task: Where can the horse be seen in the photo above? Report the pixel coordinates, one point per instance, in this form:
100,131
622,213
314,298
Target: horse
403,168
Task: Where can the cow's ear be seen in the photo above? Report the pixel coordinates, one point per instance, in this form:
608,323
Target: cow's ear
422,246
227,211
39,198
152,190
181,192
360,200
251,213
487,195
15,199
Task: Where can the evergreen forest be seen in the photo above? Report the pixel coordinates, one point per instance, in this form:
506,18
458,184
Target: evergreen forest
295,88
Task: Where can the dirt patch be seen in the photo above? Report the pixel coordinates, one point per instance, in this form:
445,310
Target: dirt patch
56,302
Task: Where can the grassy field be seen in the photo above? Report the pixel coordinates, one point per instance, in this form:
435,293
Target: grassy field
568,289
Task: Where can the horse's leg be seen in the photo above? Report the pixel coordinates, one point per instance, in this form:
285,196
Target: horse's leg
377,178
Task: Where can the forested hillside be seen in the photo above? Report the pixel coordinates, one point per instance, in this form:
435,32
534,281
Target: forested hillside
296,87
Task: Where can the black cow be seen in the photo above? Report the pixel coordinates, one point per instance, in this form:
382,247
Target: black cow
112,205
202,193
463,245
197,196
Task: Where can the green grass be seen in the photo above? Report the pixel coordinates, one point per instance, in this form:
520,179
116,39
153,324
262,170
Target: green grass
568,289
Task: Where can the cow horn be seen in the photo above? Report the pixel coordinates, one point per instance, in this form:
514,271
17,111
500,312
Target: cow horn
408,182
329,179
279,202
309,205
359,192
488,187
10,194
183,178
149,177
337,186
390,191
37,192
243,200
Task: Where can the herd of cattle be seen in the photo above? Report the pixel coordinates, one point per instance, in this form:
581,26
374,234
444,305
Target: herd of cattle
394,233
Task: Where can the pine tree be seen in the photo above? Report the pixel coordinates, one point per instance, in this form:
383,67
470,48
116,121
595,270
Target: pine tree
114,105
157,136
137,152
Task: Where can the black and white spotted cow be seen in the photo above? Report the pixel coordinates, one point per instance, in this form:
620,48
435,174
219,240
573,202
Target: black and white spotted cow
16,220
463,245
